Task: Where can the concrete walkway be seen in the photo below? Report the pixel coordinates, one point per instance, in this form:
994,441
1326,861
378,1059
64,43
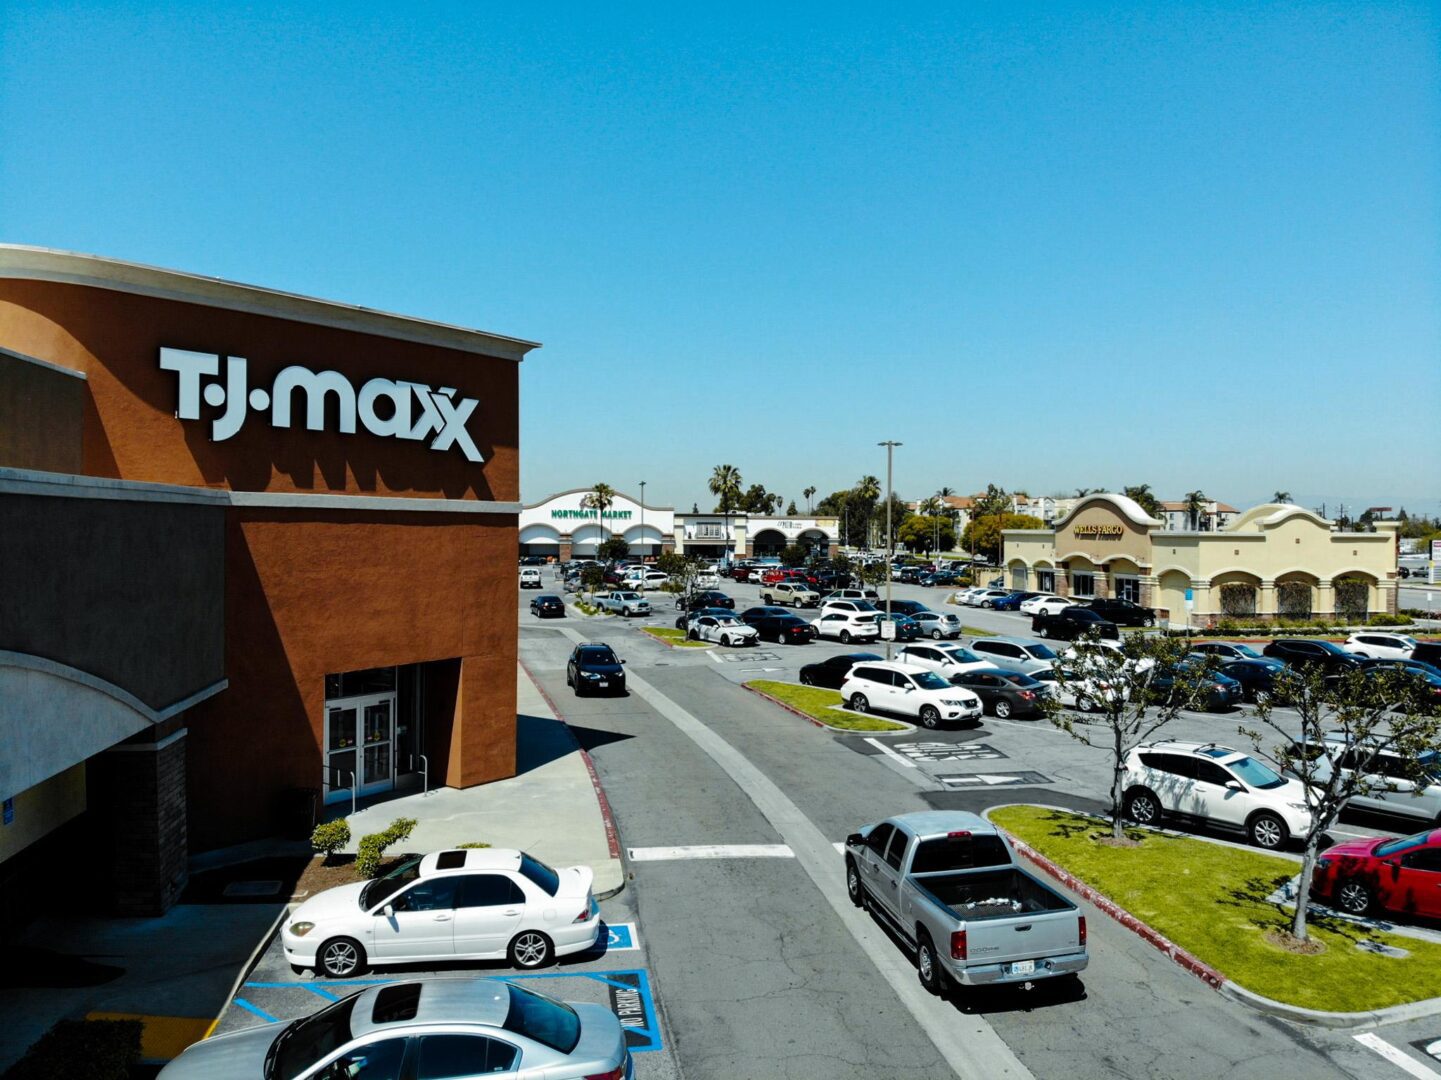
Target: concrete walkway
549,808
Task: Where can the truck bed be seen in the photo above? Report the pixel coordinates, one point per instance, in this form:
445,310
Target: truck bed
990,894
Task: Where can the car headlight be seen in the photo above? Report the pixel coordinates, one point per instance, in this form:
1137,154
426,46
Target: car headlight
953,701
589,675
1298,806
300,929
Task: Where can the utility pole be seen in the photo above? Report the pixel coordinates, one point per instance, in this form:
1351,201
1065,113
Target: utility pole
890,445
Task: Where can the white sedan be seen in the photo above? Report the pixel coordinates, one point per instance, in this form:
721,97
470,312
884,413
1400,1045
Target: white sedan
986,597
1077,691
1045,604
467,904
723,629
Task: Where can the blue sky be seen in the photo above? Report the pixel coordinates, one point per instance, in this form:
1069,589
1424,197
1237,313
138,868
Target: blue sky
1043,245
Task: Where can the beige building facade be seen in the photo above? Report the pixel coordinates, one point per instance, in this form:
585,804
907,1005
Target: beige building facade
1274,560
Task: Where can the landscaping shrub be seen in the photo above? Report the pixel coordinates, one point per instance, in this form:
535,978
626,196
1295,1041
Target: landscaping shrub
81,1050
330,836
372,847
1387,619
474,844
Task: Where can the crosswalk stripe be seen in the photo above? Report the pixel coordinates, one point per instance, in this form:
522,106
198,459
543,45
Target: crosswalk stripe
712,851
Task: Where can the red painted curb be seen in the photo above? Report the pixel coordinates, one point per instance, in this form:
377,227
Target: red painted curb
612,834
788,708
1180,956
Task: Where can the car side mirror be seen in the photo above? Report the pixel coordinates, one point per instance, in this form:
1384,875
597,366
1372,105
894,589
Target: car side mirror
388,911
623,661
1234,785
855,838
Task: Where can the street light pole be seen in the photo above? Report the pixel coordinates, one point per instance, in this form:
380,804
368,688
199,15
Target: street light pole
890,445
642,521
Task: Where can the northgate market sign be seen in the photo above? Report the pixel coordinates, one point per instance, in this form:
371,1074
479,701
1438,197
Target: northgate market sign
411,411
622,515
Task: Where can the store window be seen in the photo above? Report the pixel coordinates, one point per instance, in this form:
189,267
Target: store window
1083,584
1128,588
1046,581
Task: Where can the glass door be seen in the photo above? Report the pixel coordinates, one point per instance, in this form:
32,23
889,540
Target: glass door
359,746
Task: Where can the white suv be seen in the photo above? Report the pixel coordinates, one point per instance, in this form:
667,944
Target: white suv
1381,646
849,626
1215,785
944,658
909,690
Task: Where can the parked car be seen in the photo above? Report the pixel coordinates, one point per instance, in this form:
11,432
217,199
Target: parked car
851,606
1004,693
1380,646
1217,786
1071,622
623,602
1088,691
530,578
1428,652
1012,600
967,597
987,597
1303,654
494,904
1122,612
948,884
1214,690
784,629
705,598
644,579
947,659
1382,875
908,690
1025,655
907,629
548,606
1045,603
707,579
902,607
594,667
938,625
684,620
1394,791
848,626
1226,650
447,1027
867,594
795,593
832,671
1257,677
1426,679
723,629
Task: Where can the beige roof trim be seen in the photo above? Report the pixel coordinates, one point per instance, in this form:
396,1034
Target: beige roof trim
20,262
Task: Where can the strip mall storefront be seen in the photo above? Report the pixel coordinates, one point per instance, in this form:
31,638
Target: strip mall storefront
259,554
1275,560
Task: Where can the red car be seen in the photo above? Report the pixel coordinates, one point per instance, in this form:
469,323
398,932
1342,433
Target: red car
1396,876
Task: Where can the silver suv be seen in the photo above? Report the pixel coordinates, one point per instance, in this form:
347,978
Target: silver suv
1393,790
1024,655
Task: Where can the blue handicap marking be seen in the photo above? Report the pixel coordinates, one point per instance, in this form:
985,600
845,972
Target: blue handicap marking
621,937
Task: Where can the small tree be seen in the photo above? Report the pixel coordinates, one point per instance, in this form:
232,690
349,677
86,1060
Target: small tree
613,549
873,573
329,837
681,571
927,533
592,578
1348,720
793,555
1133,691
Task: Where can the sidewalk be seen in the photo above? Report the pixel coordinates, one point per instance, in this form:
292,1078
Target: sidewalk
549,808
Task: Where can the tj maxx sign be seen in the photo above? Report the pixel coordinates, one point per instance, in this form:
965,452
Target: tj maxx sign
413,412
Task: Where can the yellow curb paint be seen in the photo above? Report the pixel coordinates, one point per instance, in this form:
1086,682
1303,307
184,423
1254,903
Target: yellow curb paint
163,1037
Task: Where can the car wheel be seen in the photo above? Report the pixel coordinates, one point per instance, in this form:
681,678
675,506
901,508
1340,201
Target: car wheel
726,640
930,716
935,635
859,703
340,958
986,603
1003,708
1261,697
691,635
1267,831
531,949
568,680
1150,620
1142,808
1353,898
927,966
845,637
806,680
1042,632
854,889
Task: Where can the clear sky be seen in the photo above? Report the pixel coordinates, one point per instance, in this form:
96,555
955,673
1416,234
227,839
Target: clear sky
1043,245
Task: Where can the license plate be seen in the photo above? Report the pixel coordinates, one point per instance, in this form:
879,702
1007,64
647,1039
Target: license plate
603,684
1023,967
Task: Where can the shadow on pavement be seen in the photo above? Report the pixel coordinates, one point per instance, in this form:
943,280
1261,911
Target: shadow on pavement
32,968
1014,997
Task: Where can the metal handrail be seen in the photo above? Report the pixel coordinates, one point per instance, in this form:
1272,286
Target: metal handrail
354,791
424,774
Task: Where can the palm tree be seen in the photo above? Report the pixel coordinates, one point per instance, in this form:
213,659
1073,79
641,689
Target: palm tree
868,490
1141,493
1082,492
600,499
1281,497
1195,507
725,485
807,493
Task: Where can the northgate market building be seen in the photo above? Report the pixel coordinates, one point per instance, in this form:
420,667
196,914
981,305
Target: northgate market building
258,554
1272,561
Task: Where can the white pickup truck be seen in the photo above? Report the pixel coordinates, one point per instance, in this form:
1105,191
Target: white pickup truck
947,883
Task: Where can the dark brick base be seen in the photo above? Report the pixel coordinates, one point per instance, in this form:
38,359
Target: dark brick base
137,803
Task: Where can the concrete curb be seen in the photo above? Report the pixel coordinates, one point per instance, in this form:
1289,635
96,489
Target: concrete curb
906,728
245,971
612,833
700,646
1216,980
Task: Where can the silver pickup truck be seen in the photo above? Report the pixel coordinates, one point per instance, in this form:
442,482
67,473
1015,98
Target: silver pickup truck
623,602
947,883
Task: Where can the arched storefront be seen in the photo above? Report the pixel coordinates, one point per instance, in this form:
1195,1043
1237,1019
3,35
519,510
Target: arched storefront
568,526
539,539
768,542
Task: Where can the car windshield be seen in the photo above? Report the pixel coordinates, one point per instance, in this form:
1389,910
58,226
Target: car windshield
929,680
549,1022
1254,774
728,621
597,656
1248,652
309,1039
962,656
539,873
389,884
1040,652
1405,843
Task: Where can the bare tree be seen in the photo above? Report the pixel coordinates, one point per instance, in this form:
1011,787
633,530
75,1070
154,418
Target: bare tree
1346,723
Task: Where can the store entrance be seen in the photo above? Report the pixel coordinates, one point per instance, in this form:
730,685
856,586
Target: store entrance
360,745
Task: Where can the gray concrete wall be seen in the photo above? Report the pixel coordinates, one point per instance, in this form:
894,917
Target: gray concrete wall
132,593
42,410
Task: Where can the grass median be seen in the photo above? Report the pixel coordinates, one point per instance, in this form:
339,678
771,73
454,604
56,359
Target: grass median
1210,899
671,636
819,704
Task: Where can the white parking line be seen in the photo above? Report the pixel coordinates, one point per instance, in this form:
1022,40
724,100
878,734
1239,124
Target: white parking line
712,851
883,748
1402,1061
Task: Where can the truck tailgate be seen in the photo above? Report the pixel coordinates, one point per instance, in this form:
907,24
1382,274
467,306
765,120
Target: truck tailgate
1029,937
1007,914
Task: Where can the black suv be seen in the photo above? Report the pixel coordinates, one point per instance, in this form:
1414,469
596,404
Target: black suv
1300,653
903,607
1123,612
707,598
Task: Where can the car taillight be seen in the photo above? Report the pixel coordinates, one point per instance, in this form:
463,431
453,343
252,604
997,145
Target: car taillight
958,945
1028,695
618,1073
585,914
1083,929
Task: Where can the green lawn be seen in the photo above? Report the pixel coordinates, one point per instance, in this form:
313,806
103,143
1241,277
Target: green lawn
1211,900
976,631
671,636
816,702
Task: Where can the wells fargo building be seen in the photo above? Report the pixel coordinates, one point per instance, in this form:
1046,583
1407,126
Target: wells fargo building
257,552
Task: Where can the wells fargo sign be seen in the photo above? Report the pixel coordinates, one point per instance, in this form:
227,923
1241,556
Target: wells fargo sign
1100,532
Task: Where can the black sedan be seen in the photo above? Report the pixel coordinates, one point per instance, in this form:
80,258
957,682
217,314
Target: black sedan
752,616
784,629
707,598
907,629
595,669
832,671
1215,691
682,621
1122,612
548,606
1257,677
1004,693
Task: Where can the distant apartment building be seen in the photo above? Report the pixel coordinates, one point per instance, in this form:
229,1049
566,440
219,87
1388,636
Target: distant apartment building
1213,517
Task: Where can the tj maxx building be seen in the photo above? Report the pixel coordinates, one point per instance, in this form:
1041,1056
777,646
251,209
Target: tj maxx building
258,553
1273,560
